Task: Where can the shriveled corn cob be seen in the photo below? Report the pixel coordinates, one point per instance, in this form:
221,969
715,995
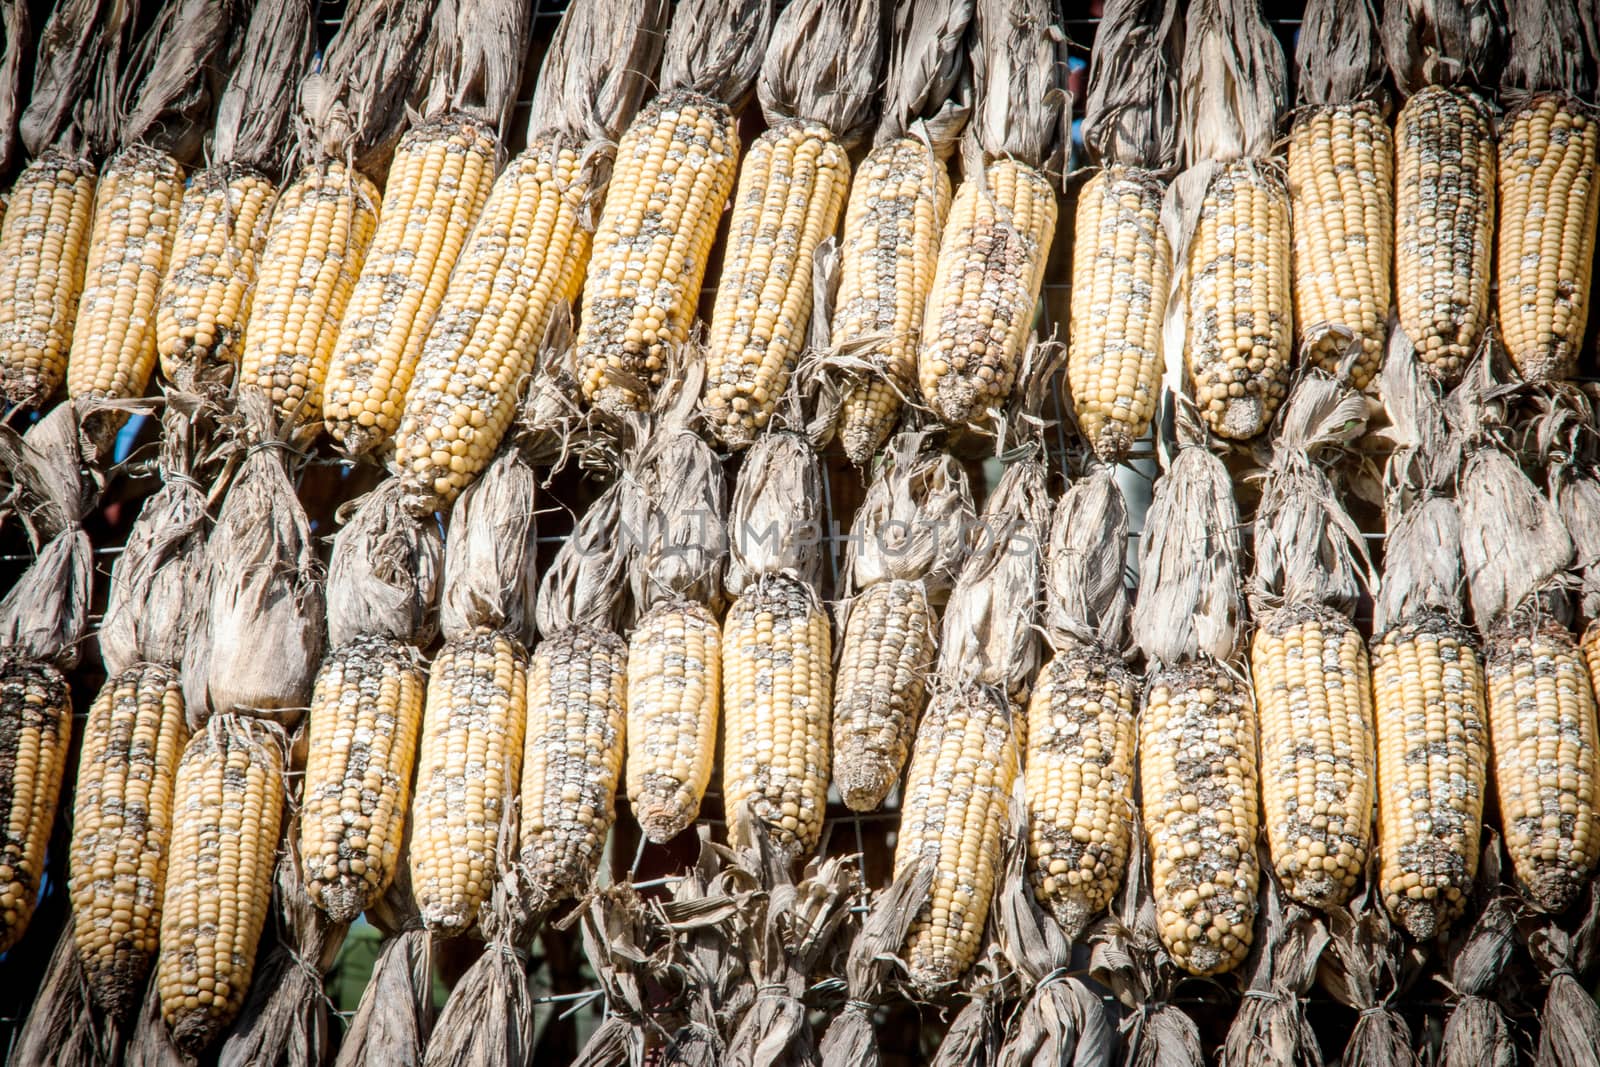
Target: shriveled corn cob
1314,700
674,693
1079,782
1433,748
226,814
1542,738
1444,225
321,229
963,766
205,297
121,830
467,772
1197,766
673,173
791,190
525,258
135,218
892,223
1341,197
1547,200
572,760
1241,309
777,653
981,308
887,653
436,188
35,732
366,713
44,247
1120,264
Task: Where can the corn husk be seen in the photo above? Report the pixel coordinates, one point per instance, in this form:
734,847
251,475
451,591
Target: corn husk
1513,543
1019,77
928,85
584,585
256,111
1130,118
775,519
1570,1034
490,556
475,58
1339,54
265,615
913,523
171,82
395,1016
1477,1032
80,55
615,927
63,1027
1189,565
46,614
1270,1029
976,1033
715,47
384,575
1443,42
1553,48
600,60
1577,493
488,1020
699,914
49,480
16,29
1086,599
1427,450
150,1044
1235,85
824,64
1359,970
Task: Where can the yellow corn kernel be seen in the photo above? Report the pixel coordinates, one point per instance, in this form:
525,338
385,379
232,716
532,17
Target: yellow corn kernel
674,692
35,732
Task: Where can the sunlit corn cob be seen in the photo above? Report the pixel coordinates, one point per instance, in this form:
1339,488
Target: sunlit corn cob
792,187
1241,309
1589,645
1197,766
777,653
958,786
1314,702
892,224
121,829
226,813
1341,196
135,218
673,173
572,760
321,229
1542,739
467,772
205,297
1433,750
1079,782
35,732
366,712
674,692
525,258
1548,198
887,653
44,246
1120,265
981,308
1444,225
436,187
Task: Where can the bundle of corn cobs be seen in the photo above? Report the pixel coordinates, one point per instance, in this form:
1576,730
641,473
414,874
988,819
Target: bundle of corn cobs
425,640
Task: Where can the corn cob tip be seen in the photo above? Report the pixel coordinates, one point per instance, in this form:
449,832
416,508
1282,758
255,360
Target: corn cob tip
355,440
1073,914
1113,442
1241,417
1553,890
342,900
1421,919
863,782
661,815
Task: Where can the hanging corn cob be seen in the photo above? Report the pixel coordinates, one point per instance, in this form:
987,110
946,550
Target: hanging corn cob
1341,191
526,257
817,90
1444,175
351,110
366,706
221,227
476,711
1427,673
997,236
1078,781
672,177
1308,662
1120,256
893,220
906,548
1227,218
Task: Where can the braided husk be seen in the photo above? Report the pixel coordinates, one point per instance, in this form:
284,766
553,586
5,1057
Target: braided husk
1577,493
598,67
1477,1032
1270,1028
715,47
49,479
699,916
63,1028
912,524
1513,542
171,81
775,519
1086,599
824,64
80,54
1022,109
1570,1033
488,1020
585,584
1131,116
615,928
1554,47
46,613
1443,42
395,1016
475,58
1359,969
256,113
384,575
17,30
675,514
490,554
1235,85
976,1033
928,80
1339,54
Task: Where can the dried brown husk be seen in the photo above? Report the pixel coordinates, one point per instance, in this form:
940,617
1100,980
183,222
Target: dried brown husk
615,928
1339,53
1554,47
1131,116
1022,108
50,484
1421,564
1477,1032
150,1044
585,583
1359,970
384,575
913,523
676,518
1513,542
395,1016
1190,601
1086,599
1427,453
928,81
488,1020
172,77
1443,42
1270,1028
475,58
824,64
699,914
990,637
62,1026
974,1037
266,617
80,54
490,553
1570,1032
715,47
775,520
256,113
17,28
1577,493
1235,84
46,614
599,63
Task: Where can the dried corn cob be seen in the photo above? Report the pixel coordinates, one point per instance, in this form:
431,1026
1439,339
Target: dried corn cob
674,693
35,731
